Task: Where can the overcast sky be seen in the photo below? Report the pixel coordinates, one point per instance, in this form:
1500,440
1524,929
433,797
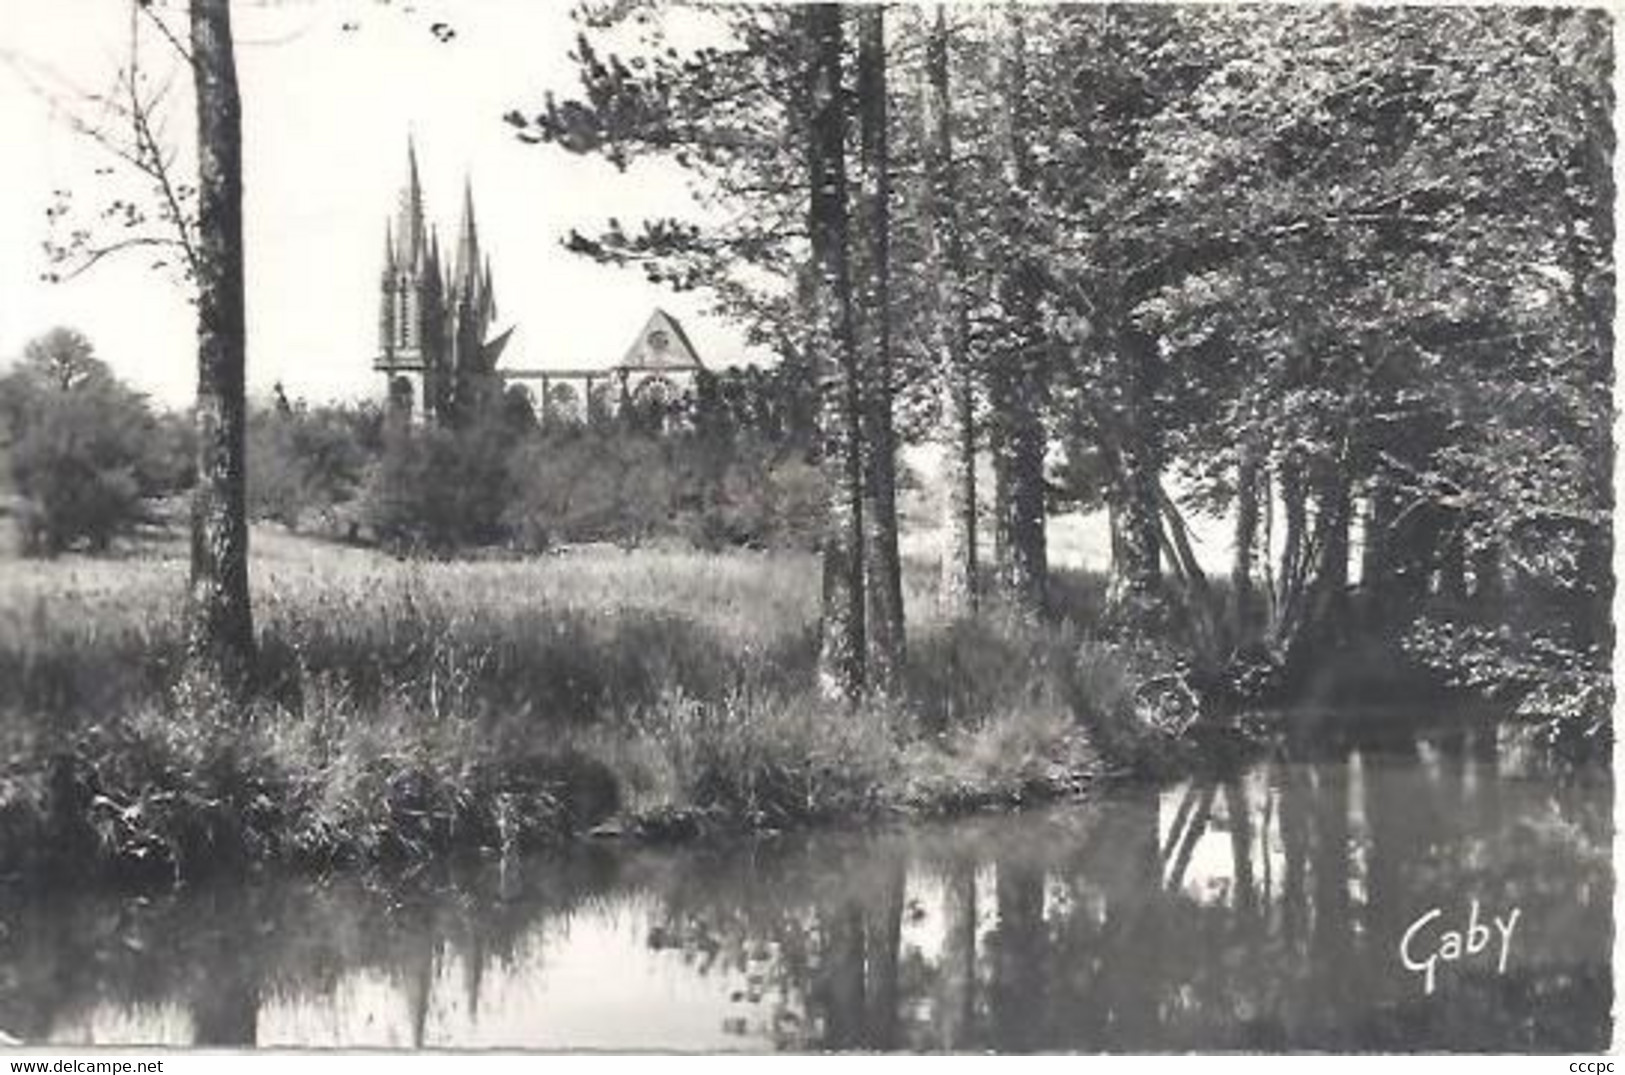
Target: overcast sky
327,111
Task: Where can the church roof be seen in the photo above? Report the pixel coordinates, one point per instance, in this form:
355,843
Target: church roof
662,345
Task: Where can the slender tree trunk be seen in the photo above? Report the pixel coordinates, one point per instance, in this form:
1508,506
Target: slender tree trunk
841,657
1019,452
947,267
1331,582
883,569
998,400
1290,578
1136,579
1376,558
1136,484
1244,598
221,629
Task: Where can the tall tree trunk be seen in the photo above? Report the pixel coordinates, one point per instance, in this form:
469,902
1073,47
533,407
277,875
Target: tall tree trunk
1136,575
1290,579
1331,582
952,328
1244,598
221,628
1019,451
1376,558
841,657
998,405
883,570
1134,455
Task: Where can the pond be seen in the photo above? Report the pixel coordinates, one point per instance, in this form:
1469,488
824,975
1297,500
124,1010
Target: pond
1261,910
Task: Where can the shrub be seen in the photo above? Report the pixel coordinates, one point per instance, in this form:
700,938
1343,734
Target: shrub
84,449
612,483
304,461
589,484
436,490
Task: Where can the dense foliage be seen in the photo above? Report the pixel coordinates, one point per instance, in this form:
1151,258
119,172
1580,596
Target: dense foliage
84,451
722,465
1341,273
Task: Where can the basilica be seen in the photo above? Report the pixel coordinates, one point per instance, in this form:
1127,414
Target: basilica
435,316
439,350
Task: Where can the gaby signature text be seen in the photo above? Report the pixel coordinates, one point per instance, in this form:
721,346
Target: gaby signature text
1428,942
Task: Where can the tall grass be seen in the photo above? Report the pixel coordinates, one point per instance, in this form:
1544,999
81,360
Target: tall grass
409,707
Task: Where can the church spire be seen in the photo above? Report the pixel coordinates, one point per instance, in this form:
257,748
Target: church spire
468,247
409,226
389,252
386,296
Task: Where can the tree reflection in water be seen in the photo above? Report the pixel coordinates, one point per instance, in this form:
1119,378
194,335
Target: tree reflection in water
1253,909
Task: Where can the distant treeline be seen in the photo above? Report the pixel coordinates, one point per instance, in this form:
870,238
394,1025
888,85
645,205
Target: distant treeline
723,464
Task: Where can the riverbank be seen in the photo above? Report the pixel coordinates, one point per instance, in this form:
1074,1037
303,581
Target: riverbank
1196,889
409,709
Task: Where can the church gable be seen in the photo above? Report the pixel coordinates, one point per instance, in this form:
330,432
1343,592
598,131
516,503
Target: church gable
662,345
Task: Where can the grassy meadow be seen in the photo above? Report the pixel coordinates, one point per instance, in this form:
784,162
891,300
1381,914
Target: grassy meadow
408,708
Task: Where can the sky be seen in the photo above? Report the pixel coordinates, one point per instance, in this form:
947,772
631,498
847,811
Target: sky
331,90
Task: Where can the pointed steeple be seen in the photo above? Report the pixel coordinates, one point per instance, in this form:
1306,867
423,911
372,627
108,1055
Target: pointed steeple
386,296
468,248
409,222
430,278
389,253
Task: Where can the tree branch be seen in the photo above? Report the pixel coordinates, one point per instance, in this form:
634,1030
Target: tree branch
92,257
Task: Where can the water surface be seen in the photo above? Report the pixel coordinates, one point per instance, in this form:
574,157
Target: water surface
1262,910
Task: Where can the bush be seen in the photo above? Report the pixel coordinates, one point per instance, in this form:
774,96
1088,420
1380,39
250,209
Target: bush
84,450
305,461
616,484
436,489
586,485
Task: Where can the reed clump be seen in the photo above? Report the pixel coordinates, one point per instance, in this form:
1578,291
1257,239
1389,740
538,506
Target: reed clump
407,709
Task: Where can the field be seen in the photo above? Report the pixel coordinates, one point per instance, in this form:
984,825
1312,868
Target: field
413,707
